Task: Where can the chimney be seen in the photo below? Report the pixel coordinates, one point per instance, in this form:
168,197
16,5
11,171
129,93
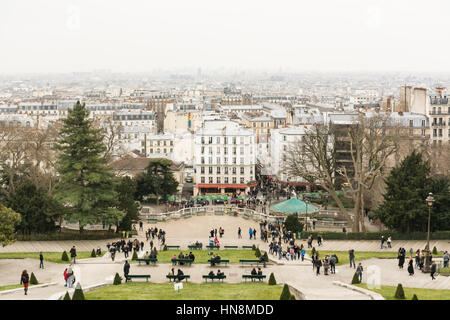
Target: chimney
440,90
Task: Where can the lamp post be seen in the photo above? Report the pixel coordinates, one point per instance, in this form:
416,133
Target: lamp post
429,201
306,215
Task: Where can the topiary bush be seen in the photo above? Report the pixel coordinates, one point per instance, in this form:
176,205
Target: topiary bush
78,294
285,294
355,279
257,253
33,279
400,293
272,280
435,252
415,297
265,257
93,254
313,250
292,297
135,256
117,279
67,296
64,256
165,248
253,247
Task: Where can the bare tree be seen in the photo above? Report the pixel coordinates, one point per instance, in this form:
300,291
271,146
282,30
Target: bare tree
112,132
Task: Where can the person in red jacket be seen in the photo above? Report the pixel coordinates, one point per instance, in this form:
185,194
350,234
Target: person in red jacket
66,276
25,280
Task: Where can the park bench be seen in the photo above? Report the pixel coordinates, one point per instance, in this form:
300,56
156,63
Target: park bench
206,277
175,277
147,260
173,247
253,277
246,216
152,220
219,262
257,262
213,247
137,276
230,247
247,247
194,247
219,212
185,261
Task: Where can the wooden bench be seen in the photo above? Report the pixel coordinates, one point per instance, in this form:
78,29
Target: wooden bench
253,277
147,260
220,213
173,247
230,247
213,247
206,277
137,276
194,247
152,220
257,262
185,261
175,277
247,247
219,262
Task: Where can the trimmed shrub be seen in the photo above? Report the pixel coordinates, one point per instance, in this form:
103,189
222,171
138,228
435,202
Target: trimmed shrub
67,296
434,252
78,294
257,253
292,297
285,294
355,279
117,279
400,293
415,297
265,257
272,280
33,279
64,256
135,256
253,247
313,250
93,254
165,248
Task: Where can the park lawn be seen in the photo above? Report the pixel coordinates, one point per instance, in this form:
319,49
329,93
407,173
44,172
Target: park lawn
12,286
202,257
422,294
359,255
48,256
190,291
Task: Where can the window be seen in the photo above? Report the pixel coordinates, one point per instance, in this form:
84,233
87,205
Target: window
234,140
210,160
165,142
423,123
158,150
225,150
242,140
242,150
218,140
203,140
234,160
210,179
434,132
202,160
226,168
218,160
225,160
210,170
284,138
234,170
171,150
226,179
242,180
234,150
242,170
225,140
165,150
210,140
202,150
171,143
218,180
411,123
440,132
202,170
234,179
202,179
251,170
218,150
151,150
242,161
218,170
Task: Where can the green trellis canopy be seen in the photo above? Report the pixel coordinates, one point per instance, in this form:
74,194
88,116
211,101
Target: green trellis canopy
293,205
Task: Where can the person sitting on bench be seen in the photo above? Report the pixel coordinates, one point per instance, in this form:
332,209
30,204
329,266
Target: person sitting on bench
220,273
180,275
253,272
172,272
211,273
259,272
174,258
181,256
191,256
153,254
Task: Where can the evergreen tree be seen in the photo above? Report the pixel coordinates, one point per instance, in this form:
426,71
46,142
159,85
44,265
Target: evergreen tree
434,252
272,280
126,189
293,224
33,279
78,293
86,185
67,296
257,253
135,256
158,180
355,279
292,297
415,297
64,256
399,293
285,294
117,279
9,219
93,254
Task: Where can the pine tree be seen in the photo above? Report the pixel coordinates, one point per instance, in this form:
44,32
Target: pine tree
86,183
135,256
117,279
272,280
399,293
292,297
257,253
355,279
93,254
67,296
285,294
64,256
33,279
78,293
265,257
434,252
415,297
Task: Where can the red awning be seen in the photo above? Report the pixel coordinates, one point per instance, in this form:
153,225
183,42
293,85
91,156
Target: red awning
230,186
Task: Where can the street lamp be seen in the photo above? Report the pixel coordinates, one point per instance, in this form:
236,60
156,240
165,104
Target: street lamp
306,215
429,201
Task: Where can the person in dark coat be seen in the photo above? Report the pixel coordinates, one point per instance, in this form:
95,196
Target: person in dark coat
401,259
318,265
126,269
41,259
410,267
433,270
25,280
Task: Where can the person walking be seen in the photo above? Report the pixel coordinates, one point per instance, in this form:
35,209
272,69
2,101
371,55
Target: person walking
446,258
351,257
401,258
389,241
333,262
70,277
254,234
359,271
250,232
433,270
382,242
126,270
318,265
73,255
41,259
66,276
239,233
25,280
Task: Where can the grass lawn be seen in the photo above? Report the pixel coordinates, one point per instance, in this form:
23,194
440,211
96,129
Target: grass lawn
422,294
202,257
12,286
190,291
48,256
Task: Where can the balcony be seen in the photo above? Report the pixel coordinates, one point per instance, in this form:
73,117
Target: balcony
438,124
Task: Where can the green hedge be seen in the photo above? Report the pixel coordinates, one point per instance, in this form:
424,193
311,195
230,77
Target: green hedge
57,236
437,235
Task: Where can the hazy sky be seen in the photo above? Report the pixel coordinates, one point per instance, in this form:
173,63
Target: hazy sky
295,35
